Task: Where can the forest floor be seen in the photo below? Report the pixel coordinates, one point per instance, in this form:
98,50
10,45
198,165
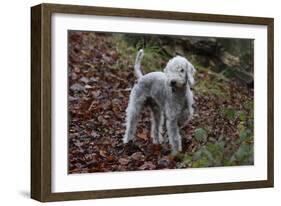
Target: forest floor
100,81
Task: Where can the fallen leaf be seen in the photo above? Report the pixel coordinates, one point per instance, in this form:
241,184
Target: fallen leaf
147,165
123,161
94,134
137,156
143,135
77,87
103,153
85,80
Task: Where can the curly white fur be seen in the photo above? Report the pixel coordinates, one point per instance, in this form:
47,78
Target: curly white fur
169,96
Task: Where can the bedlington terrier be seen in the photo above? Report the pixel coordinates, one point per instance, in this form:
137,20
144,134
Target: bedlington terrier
167,94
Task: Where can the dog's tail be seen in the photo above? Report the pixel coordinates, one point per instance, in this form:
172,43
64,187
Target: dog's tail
137,67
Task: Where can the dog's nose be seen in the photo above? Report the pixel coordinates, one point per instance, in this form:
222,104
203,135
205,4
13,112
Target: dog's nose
173,82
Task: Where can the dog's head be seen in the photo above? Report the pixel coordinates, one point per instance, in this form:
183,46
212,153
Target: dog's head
180,73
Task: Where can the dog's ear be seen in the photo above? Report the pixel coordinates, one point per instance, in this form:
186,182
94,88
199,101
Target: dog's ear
190,74
167,66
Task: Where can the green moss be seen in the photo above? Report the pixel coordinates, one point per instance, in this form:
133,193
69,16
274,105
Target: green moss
210,82
153,59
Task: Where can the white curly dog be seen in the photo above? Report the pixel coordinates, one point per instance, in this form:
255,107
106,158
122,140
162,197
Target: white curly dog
168,95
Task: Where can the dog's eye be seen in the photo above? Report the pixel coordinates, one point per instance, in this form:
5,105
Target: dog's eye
182,70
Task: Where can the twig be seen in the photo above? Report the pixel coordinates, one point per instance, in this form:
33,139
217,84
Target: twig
118,78
92,104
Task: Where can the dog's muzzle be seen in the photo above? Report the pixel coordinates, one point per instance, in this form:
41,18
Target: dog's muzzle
177,85
173,83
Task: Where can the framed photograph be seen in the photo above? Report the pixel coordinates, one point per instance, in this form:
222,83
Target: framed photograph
132,102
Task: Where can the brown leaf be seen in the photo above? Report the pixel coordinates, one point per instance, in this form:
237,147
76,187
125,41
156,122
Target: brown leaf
123,161
85,80
103,153
143,135
147,165
78,143
77,87
110,158
137,156
95,94
114,55
102,120
76,69
94,134
88,86
106,105
74,76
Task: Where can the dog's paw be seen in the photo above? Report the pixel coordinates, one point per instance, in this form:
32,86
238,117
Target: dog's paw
125,140
161,139
155,140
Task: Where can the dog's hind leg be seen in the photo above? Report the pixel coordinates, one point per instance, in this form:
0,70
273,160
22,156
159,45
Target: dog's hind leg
136,102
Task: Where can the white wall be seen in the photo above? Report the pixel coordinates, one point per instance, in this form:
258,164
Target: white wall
15,103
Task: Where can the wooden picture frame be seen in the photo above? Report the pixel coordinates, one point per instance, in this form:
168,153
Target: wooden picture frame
41,96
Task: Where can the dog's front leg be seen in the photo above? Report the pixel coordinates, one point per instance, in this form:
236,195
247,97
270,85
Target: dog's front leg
156,124
174,135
